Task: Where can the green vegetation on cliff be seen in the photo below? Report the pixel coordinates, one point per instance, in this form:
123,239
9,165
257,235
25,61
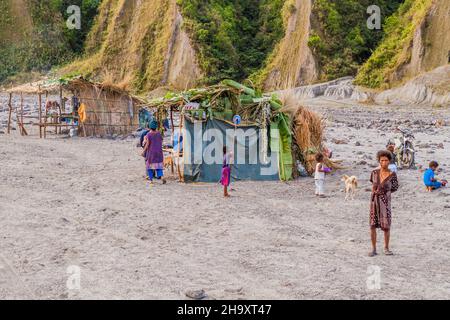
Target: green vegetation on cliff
76,38
232,37
34,35
275,43
340,39
393,51
128,44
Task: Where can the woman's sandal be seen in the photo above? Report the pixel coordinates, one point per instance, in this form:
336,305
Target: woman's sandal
388,252
372,254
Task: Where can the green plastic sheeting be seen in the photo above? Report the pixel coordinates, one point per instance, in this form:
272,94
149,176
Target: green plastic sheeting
282,123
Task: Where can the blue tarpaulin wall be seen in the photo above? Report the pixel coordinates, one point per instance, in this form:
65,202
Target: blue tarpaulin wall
208,137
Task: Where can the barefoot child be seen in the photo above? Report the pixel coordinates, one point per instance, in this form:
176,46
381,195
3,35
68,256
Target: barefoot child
319,175
226,172
429,177
384,183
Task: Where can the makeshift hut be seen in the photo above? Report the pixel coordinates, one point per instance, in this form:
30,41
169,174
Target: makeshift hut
253,126
97,109
104,109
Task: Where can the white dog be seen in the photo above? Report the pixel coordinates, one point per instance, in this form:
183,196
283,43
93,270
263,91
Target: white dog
351,184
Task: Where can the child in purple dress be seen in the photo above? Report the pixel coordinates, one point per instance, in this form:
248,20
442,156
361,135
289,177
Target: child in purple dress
226,172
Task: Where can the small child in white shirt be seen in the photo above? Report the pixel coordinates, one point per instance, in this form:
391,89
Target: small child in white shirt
319,175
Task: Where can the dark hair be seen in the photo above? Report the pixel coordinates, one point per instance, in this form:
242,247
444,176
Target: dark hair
384,153
319,157
224,149
434,164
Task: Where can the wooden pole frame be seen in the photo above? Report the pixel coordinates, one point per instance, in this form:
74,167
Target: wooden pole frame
22,125
180,176
61,102
21,110
18,124
40,112
173,134
45,119
10,112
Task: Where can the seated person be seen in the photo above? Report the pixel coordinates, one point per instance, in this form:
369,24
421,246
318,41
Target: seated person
393,163
429,177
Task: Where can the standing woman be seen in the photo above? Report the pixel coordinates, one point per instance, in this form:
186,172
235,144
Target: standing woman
154,156
384,182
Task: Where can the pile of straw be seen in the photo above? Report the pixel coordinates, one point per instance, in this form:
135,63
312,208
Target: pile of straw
308,134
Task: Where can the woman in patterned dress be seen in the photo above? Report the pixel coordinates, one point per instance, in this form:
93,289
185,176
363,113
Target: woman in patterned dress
384,182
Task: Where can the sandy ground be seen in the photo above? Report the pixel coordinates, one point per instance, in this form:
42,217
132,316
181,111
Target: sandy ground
83,202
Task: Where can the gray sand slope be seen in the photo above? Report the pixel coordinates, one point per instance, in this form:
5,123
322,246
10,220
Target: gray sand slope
84,203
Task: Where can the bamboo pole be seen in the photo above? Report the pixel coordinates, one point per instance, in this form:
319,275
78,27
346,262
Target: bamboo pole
24,131
241,87
10,113
61,102
173,134
180,177
57,116
40,112
18,121
21,108
46,111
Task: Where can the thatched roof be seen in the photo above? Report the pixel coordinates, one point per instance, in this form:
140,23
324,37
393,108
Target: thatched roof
229,96
73,84
51,86
79,83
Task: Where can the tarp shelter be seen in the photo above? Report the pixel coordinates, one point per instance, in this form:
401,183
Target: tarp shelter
253,158
261,143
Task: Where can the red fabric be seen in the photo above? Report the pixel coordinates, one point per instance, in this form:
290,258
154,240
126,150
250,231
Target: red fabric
226,175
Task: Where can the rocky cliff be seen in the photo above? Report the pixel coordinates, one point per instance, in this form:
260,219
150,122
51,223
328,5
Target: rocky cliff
141,44
417,40
277,44
292,62
430,47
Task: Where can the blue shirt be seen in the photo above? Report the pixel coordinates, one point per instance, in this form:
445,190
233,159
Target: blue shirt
428,177
141,138
177,147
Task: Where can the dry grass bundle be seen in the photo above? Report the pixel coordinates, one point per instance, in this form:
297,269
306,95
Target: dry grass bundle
108,78
125,84
308,133
308,129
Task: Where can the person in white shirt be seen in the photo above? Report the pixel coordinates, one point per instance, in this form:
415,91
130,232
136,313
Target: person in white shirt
319,175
